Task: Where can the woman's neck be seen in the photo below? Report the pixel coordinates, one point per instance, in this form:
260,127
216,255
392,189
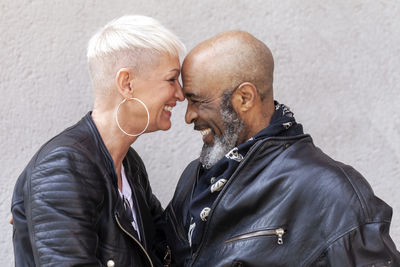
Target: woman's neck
115,141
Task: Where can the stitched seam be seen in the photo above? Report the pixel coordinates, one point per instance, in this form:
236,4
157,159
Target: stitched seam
358,193
49,141
30,226
330,242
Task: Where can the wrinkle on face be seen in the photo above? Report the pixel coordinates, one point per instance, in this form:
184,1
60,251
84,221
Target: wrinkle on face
233,125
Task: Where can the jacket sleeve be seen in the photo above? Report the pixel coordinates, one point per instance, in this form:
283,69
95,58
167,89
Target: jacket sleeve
367,245
61,204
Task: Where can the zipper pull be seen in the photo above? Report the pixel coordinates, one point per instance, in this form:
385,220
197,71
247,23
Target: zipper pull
279,233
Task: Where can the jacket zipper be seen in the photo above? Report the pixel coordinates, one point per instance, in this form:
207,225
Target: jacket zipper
138,214
279,232
131,236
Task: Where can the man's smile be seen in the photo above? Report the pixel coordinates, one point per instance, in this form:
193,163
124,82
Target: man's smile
205,131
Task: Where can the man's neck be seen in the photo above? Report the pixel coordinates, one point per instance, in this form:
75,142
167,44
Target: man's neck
256,121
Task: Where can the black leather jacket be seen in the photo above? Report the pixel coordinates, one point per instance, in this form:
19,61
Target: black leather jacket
287,204
67,210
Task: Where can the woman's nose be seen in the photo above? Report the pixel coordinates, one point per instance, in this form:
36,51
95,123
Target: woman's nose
179,93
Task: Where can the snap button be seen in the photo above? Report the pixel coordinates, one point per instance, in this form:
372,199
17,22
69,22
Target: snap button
110,263
204,214
212,180
235,155
218,185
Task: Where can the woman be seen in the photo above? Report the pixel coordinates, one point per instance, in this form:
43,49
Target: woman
84,199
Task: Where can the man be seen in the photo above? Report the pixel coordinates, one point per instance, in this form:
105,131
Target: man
261,193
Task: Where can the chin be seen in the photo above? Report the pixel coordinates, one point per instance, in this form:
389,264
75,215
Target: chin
165,127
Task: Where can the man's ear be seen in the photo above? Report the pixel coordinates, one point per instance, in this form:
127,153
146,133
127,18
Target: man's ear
245,97
124,82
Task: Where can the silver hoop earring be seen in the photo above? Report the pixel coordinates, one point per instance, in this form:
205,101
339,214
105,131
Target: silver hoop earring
147,111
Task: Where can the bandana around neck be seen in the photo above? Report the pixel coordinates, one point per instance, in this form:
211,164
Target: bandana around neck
212,180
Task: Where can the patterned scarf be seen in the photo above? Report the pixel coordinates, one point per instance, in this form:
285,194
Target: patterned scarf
212,180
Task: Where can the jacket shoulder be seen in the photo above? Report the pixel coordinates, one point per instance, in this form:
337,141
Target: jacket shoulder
69,157
186,181
65,168
338,184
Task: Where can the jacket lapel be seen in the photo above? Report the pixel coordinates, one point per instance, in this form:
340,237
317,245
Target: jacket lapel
145,223
123,219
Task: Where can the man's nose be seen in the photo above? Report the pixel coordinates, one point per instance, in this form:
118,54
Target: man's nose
191,114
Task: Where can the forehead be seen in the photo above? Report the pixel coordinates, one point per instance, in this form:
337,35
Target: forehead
168,62
199,86
199,80
161,66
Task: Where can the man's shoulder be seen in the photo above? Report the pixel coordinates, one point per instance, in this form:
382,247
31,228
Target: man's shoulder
330,182
186,182
189,174
192,167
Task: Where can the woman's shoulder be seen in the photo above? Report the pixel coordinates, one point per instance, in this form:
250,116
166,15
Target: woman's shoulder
76,142
60,166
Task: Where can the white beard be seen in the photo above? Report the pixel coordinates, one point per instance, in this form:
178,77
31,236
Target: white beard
211,154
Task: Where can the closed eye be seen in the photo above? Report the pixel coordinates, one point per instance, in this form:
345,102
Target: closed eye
194,100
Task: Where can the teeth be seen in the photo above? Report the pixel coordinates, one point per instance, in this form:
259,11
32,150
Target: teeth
205,131
168,108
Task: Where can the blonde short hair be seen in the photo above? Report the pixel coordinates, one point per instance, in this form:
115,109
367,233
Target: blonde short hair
129,41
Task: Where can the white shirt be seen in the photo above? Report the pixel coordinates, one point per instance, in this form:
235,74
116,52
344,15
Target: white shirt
127,193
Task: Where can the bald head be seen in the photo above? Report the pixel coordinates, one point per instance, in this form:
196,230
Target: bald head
227,81
231,58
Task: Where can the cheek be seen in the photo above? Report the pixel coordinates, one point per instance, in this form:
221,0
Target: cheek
211,111
159,96
213,117
166,93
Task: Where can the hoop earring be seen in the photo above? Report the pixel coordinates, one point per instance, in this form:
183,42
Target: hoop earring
147,111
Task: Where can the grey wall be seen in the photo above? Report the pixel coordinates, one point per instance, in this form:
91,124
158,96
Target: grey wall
337,67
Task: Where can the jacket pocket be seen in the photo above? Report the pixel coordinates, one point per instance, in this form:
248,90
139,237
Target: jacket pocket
278,232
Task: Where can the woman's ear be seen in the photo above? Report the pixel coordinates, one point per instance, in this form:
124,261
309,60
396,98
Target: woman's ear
245,97
124,82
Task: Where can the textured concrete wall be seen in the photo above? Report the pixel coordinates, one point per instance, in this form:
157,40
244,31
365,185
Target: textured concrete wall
337,67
